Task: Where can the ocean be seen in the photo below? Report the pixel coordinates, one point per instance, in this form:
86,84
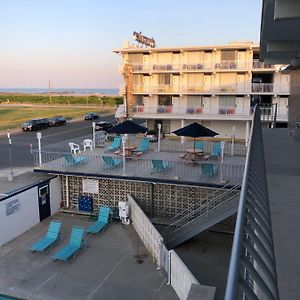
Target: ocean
61,91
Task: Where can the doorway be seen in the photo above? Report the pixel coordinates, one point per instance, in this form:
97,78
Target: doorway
44,201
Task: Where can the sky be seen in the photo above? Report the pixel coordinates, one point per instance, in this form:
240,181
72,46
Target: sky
70,42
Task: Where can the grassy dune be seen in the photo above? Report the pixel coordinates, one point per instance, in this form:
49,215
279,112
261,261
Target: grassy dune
13,117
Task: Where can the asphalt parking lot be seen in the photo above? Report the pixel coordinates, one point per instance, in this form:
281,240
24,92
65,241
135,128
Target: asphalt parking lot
21,141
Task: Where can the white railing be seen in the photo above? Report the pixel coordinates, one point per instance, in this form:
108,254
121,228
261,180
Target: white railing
261,88
256,64
141,67
255,88
230,64
197,110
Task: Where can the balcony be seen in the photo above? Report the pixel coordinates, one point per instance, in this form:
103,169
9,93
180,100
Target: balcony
207,112
256,64
205,66
231,65
232,89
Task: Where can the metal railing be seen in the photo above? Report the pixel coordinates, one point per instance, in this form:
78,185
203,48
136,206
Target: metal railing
221,195
93,163
252,271
268,110
244,88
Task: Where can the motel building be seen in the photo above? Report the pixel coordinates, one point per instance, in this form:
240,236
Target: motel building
217,86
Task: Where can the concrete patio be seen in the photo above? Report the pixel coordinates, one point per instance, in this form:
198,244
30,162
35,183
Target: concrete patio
106,269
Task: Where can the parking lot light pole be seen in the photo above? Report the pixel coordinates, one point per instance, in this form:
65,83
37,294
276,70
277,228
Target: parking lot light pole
11,173
39,136
94,134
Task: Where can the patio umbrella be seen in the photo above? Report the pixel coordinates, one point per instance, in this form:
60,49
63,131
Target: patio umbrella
195,130
128,127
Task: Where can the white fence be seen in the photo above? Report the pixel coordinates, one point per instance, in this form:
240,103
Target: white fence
145,229
179,276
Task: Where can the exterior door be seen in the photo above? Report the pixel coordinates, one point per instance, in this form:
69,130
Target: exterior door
208,60
44,201
207,83
241,61
240,83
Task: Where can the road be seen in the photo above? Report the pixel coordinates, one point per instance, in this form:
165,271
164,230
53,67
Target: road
21,141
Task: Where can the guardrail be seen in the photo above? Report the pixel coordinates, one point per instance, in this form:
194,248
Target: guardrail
252,271
93,163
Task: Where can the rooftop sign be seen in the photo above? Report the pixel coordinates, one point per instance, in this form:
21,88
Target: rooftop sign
143,40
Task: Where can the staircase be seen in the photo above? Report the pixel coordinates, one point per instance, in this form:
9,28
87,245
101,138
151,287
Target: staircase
212,210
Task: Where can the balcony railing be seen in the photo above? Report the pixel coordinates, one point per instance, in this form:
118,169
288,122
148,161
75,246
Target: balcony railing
252,272
254,88
200,66
262,88
256,64
267,110
231,64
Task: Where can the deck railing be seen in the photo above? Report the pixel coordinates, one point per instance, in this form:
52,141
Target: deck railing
93,163
252,271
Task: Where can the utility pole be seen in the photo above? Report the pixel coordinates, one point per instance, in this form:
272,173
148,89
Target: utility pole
49,87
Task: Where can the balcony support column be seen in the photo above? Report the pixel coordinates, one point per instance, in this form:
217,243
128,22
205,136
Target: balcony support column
182,138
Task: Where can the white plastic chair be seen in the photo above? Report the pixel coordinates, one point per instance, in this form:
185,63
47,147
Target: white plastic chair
74,148
87,143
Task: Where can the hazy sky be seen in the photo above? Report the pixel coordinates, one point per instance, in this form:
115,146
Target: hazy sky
70,42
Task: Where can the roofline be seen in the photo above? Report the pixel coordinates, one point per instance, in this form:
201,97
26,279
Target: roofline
237,45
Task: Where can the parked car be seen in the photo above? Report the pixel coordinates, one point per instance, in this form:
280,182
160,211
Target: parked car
92,116
104,126
57,121
35,124
152,135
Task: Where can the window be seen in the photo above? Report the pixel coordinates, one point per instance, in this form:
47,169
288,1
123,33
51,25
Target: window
164,79
138,100
194,101
227,55
164,100
227,101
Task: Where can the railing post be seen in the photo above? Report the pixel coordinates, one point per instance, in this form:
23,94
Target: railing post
159,134
232,140
124,138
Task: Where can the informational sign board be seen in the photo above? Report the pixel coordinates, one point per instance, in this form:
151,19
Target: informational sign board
12,207
90,186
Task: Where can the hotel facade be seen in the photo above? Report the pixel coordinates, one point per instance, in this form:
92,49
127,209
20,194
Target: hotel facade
217,86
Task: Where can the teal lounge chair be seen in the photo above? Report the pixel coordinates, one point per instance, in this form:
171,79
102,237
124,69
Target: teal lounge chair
102,221
208,169
75,244
216,151
111,162
73,160
115,144
199,145
143,146
159,165
51,237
